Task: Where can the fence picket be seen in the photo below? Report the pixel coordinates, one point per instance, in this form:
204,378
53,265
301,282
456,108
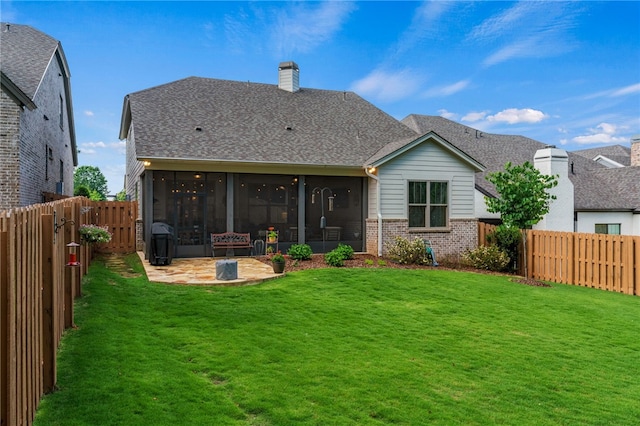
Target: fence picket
33,284
607,262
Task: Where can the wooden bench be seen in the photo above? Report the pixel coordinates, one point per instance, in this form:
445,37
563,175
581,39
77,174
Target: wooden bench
230,241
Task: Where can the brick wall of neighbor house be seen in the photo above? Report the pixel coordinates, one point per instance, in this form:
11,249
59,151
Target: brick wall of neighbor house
635,150
9,138
463,236
40,171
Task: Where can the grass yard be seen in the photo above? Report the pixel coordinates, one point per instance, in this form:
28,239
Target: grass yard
347,347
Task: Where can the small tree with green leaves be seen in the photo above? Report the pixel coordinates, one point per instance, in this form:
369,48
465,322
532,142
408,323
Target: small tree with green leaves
524,197
93,179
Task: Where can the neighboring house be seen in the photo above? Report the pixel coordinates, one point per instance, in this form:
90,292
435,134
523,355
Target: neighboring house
609,156
37,136
592,196
322,167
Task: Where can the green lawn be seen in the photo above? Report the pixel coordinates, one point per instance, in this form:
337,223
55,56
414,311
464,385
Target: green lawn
347,346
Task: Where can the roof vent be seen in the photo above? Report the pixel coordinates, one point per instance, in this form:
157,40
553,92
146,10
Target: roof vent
289,76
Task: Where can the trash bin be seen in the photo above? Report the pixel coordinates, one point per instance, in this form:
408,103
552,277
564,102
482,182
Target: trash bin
161,244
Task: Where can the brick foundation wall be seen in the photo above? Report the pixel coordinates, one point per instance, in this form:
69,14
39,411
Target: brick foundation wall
462,236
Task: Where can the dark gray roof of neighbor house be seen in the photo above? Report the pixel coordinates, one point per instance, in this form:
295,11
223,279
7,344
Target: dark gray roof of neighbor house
609,189
595,186
618,153
25,55
222,120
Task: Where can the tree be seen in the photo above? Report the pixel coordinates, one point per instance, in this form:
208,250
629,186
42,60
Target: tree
524,198
81,191
93,179
122,195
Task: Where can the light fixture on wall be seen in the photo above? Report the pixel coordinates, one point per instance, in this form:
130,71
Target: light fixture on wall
146,163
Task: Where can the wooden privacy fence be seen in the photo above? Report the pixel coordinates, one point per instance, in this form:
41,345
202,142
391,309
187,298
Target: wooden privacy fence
607,262
37,291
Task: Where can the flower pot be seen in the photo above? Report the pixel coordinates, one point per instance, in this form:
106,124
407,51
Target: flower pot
278,267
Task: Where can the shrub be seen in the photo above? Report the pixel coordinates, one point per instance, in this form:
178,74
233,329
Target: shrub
508,239
334,258
408,252
300,251
491,258
345,250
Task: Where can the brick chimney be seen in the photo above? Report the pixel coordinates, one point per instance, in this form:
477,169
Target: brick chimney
635,150
289,76
554,161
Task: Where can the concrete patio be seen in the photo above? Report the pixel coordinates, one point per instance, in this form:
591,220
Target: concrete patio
202,271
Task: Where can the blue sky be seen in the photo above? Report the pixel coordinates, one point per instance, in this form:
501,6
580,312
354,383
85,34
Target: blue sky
563,73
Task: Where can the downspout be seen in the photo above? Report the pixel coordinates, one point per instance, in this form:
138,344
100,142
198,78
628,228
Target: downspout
378,208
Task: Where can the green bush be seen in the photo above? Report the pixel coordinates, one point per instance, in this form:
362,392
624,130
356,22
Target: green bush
345,250
408,252
334,258
491,258
300,251
508,239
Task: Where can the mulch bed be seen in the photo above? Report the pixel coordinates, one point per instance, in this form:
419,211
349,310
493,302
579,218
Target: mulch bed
371,261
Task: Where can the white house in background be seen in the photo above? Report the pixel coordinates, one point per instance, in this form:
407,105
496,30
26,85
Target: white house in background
605,199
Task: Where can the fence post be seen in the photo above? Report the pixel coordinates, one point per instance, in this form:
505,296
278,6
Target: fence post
5,343
48,339
69,287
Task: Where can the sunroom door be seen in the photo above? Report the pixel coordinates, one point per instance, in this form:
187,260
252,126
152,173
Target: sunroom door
189,227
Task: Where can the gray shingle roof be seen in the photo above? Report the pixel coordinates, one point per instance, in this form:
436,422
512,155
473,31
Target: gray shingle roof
595,186
254,122
618,153
24,55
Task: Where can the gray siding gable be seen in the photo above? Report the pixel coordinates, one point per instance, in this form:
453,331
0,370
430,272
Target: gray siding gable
430,160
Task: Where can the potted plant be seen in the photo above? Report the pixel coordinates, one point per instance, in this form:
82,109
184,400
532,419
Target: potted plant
278,262
94,234
272,235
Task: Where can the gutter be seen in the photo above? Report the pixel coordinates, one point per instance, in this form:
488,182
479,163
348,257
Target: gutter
378,207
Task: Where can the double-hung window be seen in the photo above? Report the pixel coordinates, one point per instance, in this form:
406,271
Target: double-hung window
428,204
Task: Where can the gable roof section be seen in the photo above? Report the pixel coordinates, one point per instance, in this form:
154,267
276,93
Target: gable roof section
609,189
231,121
618,153
492,150
25,55
395,149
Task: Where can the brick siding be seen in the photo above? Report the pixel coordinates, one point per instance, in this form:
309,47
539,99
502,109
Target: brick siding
462,236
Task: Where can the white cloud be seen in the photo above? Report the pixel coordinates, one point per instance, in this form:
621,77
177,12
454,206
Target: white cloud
603,133
514,116
614,93
447,114
301,28
475,116
447,90
93,145
120,147
387,86
629,90
528,30
89,113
